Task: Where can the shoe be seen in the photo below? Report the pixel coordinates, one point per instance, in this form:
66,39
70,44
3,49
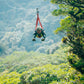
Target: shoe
43,39
33,39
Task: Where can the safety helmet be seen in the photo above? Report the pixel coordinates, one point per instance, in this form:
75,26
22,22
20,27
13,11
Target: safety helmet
38,28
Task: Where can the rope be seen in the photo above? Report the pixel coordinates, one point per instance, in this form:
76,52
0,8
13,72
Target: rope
38,19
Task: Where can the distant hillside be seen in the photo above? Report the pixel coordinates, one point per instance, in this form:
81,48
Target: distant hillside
23,61
38,68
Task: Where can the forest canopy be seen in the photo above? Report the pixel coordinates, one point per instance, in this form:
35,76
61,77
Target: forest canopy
73,27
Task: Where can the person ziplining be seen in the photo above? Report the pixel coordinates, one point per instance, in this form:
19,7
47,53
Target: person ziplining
39,32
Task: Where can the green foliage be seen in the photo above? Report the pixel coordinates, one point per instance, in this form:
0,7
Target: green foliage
76,62
58,12
9,78
66,25
19,68
64,39
23,61
38,68
2,49
73,27
51,74
47,74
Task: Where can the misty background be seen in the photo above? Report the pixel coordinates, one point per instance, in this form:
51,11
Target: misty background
17,25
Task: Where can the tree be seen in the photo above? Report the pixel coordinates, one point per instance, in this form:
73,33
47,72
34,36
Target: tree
2,49
73,27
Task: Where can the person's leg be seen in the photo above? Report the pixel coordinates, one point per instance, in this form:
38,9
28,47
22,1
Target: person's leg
34,36
43,39
44,36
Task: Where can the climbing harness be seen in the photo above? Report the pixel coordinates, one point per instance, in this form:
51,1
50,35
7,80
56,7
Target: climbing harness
38,19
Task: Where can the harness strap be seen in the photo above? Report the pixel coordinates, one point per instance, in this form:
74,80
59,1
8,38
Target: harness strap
38,19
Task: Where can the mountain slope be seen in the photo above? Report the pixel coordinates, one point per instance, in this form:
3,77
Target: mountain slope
38,68
23,61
